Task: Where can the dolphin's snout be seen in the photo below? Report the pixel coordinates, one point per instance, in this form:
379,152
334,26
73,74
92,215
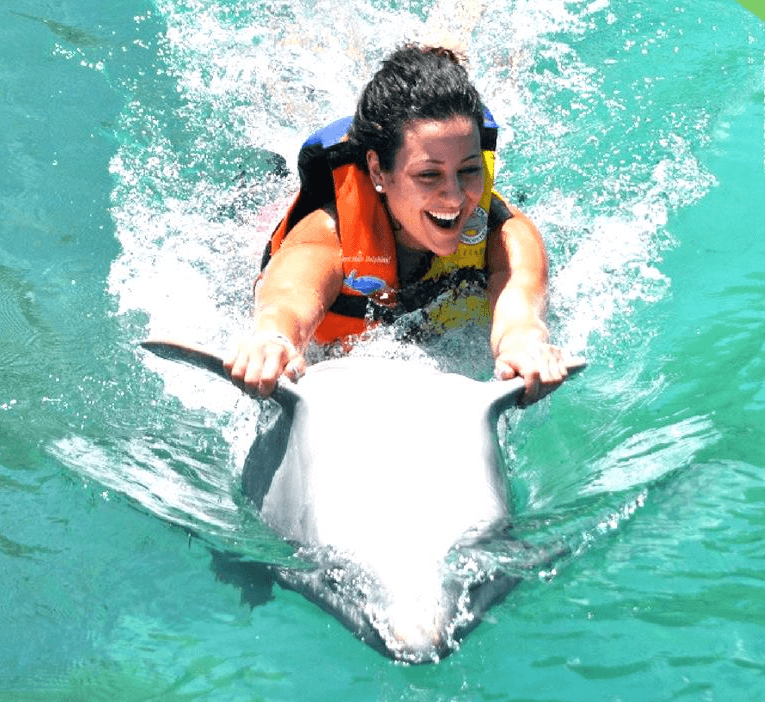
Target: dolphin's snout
419,630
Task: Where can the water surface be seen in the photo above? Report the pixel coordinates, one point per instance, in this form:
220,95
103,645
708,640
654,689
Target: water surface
136,197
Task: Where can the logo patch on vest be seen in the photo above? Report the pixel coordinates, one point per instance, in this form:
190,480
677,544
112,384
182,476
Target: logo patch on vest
365,284
476,228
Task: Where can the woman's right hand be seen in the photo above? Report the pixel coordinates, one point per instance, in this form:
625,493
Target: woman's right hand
261,360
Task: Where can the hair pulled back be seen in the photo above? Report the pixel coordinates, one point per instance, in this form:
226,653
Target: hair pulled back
415,82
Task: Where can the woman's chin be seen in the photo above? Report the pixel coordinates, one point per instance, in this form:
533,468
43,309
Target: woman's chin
445,249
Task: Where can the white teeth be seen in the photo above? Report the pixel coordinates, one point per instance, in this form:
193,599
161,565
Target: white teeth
446,216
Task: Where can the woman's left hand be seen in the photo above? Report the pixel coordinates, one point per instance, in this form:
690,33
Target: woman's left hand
540,364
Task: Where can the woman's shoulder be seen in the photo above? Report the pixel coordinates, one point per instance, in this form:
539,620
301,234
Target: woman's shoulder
499,212
317,227
502,213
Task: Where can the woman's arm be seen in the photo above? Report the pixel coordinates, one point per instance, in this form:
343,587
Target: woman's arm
518,298
300,283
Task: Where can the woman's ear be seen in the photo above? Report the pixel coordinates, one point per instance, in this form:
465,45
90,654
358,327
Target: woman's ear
375,171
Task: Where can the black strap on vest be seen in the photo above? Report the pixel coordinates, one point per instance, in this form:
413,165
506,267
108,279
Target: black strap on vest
420,294
350,305
317,187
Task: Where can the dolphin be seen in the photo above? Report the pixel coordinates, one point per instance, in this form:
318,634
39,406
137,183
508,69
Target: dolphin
65,31
387,476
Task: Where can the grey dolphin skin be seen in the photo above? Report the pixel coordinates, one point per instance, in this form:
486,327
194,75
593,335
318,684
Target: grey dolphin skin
387,475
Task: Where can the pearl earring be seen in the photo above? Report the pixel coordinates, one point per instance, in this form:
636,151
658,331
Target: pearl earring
378,188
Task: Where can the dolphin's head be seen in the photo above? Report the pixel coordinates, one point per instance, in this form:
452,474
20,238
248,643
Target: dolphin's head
415,623
424,622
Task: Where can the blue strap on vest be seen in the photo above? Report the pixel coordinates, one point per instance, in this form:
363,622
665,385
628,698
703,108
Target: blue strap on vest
331,134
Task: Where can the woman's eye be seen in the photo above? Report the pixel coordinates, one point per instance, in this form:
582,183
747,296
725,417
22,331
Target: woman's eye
471,171
434,176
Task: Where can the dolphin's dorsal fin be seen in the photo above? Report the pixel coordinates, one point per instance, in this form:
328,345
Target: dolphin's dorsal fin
173,351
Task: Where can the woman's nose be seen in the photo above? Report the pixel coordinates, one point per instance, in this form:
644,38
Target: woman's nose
453,189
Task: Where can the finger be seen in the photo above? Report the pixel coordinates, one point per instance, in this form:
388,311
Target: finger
273,366
550,371
295,369
248,370
504,371
543,359
553,369
241,366
532,389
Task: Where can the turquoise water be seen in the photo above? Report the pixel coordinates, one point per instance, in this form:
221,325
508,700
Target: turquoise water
135,152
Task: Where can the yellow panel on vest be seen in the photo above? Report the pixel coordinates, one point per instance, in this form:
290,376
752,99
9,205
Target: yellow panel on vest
466,256
456,313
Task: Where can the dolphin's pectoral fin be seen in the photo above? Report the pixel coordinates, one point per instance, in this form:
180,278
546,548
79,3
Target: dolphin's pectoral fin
173,351
483,596
267,451
255,580
503,394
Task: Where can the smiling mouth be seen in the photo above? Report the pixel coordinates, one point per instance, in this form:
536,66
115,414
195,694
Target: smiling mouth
444,220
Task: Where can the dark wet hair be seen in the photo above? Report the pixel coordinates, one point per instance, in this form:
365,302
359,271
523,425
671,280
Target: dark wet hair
415,82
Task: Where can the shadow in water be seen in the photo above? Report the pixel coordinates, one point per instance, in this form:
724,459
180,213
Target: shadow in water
254,580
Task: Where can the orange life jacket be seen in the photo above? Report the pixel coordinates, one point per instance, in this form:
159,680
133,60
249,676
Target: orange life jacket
366,238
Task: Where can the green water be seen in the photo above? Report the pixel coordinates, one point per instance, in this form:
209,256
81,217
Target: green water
632,133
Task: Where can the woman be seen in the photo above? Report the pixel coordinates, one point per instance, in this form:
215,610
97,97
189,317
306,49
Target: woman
410,197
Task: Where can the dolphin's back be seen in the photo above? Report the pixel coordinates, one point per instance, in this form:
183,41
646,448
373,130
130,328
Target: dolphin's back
384,451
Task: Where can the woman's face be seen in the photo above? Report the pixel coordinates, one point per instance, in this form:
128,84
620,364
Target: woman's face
435,184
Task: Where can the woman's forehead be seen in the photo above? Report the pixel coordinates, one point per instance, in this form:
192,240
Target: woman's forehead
428,138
